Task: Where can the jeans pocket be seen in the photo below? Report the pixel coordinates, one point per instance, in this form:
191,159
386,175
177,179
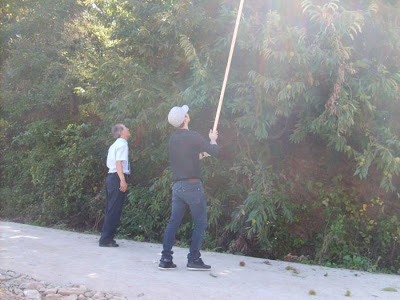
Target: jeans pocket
195,197
189,187
176,187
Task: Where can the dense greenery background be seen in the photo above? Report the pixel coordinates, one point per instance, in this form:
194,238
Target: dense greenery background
309,128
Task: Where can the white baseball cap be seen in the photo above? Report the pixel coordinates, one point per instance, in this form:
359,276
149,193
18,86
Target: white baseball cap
177,115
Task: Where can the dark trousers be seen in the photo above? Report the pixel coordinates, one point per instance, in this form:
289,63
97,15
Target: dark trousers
186,193
113,210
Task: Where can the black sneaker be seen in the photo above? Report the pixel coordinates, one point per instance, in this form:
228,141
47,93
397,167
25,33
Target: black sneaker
197,265
166,264
111,244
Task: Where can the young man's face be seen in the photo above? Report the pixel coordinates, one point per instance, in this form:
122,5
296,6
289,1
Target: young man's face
187,118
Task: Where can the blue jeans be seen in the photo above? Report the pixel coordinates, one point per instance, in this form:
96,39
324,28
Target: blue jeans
113,209
185,193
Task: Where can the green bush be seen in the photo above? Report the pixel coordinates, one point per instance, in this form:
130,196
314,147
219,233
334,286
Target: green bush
311,94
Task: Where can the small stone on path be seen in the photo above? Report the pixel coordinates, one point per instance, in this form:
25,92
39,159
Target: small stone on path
15,286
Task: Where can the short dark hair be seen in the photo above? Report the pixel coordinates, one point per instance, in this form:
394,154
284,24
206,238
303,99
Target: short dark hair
116,130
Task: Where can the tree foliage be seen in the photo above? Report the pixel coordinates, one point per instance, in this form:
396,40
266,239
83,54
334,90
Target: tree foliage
313,94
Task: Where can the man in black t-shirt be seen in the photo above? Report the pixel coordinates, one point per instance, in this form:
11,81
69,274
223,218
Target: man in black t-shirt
186,148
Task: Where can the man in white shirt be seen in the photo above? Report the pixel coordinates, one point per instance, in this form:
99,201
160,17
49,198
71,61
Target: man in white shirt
118,171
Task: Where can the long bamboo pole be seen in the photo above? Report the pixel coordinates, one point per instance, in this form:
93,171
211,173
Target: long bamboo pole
228,65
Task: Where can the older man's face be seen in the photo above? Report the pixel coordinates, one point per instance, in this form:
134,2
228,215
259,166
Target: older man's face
125,133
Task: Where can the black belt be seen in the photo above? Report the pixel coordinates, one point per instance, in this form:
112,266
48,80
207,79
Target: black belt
192,180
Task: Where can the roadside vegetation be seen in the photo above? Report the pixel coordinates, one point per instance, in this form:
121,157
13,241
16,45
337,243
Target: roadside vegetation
309,129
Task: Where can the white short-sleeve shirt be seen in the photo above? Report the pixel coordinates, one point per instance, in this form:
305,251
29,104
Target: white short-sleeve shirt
118,151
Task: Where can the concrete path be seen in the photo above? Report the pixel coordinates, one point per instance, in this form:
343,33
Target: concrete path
63,257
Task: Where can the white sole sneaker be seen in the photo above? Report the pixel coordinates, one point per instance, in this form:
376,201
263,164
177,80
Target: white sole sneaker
197,269
166,269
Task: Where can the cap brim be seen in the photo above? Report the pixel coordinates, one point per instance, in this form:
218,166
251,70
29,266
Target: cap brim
185,108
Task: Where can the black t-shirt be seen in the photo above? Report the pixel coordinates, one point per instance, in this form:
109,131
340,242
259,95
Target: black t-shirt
184,149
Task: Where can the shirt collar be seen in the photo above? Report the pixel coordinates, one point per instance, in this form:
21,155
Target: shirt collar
121,139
